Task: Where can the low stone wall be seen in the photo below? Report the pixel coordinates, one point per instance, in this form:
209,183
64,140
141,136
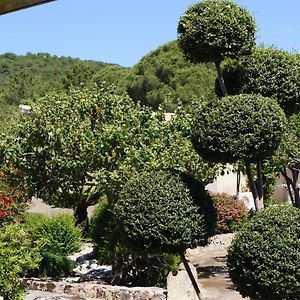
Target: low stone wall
92,290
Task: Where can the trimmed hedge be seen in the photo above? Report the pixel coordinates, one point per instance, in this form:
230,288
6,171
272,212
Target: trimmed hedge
160,211
264,257
215,29
246,127
269,72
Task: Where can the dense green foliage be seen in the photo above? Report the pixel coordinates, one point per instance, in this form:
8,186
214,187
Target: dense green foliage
215,29
232,214
163,77
129,267
60,237
161,211
18,254
269,72
264,257
82,144
35,75
243,127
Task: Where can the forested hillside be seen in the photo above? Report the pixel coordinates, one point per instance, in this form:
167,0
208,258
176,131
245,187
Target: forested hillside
162,77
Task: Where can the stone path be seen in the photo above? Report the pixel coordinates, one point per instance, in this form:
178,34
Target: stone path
210,262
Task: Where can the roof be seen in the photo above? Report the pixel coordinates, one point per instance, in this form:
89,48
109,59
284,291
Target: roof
7,6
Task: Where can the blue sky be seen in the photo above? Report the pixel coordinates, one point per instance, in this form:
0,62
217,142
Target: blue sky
123,31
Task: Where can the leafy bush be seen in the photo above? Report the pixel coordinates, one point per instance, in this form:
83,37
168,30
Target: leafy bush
160,211
231,213
18,254
269,72
246,127
264,257
129,267
59,232
214,29
60,237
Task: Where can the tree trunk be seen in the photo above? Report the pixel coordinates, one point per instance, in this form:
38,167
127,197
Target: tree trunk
253,188
81,216
289,185
260,190
295,174
191,276
221,80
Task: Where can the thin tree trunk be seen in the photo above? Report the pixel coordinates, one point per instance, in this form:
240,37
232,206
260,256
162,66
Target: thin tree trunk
260,190
191,276
253,187
81,216
221,80
289,185
238,184
295,174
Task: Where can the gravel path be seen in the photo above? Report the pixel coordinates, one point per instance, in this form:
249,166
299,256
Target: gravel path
210,262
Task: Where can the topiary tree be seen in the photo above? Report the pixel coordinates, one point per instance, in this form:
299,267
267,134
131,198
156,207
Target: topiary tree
243,127
213,30
161,211
269,72
264,257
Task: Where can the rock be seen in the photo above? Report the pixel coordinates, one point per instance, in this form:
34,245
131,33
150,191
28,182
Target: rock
180,286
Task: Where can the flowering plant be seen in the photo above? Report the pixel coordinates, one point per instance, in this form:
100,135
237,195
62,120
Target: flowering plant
231,213
8,209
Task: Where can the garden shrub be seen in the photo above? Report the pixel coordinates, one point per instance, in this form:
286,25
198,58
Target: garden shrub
129,267
264,257
159,211
18,254
231,213
269,72
60,237
242,127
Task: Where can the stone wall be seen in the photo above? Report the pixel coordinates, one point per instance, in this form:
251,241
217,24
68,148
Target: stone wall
99,291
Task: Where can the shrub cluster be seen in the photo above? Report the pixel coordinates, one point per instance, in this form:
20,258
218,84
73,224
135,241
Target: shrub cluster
231,213
264,257
60,237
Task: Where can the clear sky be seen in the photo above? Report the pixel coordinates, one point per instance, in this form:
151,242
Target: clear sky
123,31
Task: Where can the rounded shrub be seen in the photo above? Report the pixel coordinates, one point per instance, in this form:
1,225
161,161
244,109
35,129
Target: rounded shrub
214,29
232,214
129,267
247,127
264,257
159,211
267,71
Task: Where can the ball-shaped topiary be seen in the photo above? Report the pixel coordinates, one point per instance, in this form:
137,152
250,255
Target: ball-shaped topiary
264,257
214,29
159,211
243,127
269,72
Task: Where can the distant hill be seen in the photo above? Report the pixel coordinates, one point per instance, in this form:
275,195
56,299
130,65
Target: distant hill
36,74
162,77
